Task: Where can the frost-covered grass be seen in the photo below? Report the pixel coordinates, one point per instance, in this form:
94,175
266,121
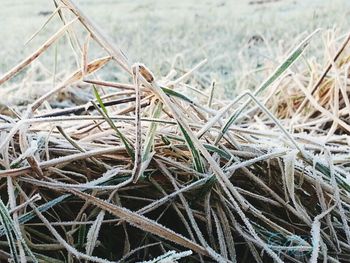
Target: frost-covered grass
108,160
164,33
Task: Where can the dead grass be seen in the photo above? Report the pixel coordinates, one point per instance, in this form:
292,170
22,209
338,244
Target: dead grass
100,171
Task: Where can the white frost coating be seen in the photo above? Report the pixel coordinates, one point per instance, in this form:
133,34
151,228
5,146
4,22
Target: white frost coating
220,234
28,152
93,184
92,235
289,169
169,257
315,233
289,172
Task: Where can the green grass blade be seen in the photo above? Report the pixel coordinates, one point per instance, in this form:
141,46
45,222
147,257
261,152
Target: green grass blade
327,173
197,160
104,114
149,141
44,207
176,94
13,237
220,152
282,68
99,100
81,234
211,148
8,229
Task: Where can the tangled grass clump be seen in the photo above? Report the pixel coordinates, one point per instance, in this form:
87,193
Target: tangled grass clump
101,171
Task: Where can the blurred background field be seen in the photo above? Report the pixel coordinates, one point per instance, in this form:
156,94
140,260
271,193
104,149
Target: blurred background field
125,165
241,39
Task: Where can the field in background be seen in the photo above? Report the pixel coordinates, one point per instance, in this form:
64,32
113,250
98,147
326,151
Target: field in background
239,38
102,163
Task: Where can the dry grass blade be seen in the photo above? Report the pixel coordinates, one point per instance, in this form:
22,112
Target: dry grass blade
113,51
141,222
137,171
35,54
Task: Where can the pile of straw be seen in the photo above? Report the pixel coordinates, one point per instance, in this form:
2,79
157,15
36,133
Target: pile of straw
140,171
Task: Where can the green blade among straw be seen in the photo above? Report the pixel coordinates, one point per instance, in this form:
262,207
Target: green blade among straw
104,113
286,64
194,152
13,237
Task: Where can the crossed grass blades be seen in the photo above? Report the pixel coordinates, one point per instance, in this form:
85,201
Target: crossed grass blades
142,171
